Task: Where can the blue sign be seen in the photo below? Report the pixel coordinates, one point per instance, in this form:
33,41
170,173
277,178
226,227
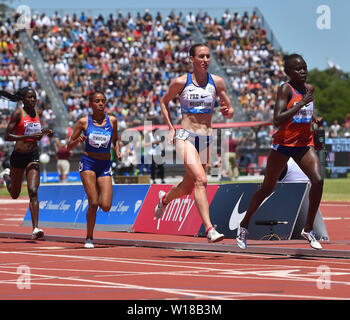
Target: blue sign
54,177
231,202
66,206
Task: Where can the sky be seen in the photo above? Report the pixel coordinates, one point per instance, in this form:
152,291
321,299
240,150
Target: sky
316,29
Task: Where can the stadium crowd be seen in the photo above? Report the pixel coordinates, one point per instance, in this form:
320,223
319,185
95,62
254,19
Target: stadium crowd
133,59
254,66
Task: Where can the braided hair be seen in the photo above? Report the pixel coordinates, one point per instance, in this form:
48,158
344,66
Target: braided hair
18,96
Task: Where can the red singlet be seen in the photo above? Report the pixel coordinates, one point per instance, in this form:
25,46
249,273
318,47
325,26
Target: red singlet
296,131
27,125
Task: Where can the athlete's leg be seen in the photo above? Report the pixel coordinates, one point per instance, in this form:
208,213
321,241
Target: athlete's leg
88,179
195,179
274,166
14,181
180,189
105,192
33,182
309,163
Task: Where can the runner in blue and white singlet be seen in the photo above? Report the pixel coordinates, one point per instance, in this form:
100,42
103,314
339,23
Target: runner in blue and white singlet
197,92
196,99
99,131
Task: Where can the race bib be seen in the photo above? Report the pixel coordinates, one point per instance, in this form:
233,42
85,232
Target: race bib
31,128
304,115
182,135
98,140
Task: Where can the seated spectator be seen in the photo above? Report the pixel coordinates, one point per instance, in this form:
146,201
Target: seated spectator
346,123
62,156
334,129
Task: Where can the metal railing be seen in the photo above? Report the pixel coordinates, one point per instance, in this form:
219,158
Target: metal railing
46,82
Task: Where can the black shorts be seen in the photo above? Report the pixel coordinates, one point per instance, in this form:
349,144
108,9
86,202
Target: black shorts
21,160
294,152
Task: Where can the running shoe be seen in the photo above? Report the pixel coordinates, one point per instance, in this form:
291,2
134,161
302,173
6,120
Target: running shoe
311,237
5,172
160,208
89,244
214,236
242,237
37,234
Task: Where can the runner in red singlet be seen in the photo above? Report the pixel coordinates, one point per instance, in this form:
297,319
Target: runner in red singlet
293,115
25,129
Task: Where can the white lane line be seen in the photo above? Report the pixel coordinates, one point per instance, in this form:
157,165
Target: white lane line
17,201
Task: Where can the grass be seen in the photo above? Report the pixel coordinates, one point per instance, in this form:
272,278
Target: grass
333,190
336,190
5,193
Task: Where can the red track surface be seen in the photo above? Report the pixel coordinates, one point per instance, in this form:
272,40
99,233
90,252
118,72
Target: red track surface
66,271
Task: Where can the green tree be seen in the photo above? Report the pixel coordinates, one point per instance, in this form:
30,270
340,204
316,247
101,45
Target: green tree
332,93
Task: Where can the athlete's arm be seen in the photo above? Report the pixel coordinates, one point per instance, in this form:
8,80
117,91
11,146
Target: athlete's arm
176,86
76,136
115,139
48,132
226,107
281,114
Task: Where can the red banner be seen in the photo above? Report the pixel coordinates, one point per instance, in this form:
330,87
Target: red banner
181,216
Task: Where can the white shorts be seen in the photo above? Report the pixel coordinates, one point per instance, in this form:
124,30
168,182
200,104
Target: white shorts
63,166
200,142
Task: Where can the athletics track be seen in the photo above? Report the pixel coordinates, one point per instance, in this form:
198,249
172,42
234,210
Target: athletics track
138,266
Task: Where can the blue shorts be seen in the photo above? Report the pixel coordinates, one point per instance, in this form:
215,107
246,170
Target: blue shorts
293,152
102,168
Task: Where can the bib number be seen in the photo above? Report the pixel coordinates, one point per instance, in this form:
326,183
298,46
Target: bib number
32,128
99,140
182,135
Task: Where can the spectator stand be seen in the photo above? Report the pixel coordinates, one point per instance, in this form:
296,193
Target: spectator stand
81,47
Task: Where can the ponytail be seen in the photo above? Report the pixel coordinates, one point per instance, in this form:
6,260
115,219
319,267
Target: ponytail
18,96
12,97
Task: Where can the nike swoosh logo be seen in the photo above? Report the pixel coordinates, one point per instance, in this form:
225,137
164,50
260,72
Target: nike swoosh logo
108,172
204,96
237,217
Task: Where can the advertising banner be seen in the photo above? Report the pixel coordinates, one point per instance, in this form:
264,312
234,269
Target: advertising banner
284,205
49,177
319,226
66,206
180,218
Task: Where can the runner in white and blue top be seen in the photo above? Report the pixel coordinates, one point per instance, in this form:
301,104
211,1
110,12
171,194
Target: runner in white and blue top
197,92
196,99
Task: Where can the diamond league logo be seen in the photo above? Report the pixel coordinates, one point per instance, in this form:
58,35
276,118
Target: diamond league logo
137,205
80,203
